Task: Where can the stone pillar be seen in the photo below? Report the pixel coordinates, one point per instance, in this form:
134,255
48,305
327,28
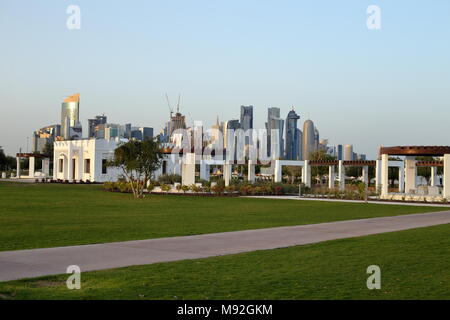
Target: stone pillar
401,179
188,170
365,175
434,178
18,167
306,176
55,164
331,177
46,167
227,173
31,167
446,177
410,174
204,170
251,171
341,174
378,175
278,172
68,174
384,175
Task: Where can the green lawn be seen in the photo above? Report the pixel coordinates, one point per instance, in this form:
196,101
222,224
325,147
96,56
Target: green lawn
414,265
48,215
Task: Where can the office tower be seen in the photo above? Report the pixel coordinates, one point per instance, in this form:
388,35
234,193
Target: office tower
348,152
316,139
45,135
140,133
340,152
309,136
246,117
274,122
216,133
292,136
70,114
92,123
300,144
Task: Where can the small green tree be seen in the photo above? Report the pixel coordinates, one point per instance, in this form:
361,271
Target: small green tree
138,160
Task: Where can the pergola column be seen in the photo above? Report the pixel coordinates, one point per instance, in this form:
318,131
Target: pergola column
331,177
18,167
204,170
384,174
227,173
277,172
446,178
401,179
434,179
55,164
31,167
188,170
306,176
378,175
341,173
46,167
410,174
365,175
251,171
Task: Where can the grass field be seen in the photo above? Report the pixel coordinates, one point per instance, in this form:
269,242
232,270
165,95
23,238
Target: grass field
48,215
414,265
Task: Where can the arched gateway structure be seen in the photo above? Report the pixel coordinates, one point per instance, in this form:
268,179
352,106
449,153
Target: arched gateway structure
410,153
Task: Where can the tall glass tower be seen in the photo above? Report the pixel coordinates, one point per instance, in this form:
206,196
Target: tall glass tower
292,136
70,114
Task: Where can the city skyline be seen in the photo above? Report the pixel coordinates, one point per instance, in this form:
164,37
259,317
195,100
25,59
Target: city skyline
359,86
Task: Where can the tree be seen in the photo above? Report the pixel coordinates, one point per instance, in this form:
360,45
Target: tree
6,162
48,148
320,155
138,160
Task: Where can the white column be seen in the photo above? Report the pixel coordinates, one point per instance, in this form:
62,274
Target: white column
365,175
18,167
278,172
46,167
434,178
188,170
227,173
401,179
331,177
341,174
251,171
384,174
306,176
204,170
446,177
68,174
378,175
55,164
410,174
31,167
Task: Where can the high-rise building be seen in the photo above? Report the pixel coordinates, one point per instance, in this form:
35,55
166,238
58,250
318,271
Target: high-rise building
340,152
274,122
292,136
309,137
45,135
93,123
70,115
246,117
348,152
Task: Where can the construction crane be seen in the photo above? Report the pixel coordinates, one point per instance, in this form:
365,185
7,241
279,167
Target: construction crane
168,104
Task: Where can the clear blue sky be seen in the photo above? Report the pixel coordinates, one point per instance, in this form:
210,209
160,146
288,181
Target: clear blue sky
360,86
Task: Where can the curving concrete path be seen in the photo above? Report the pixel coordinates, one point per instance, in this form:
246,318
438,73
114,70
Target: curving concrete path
40,262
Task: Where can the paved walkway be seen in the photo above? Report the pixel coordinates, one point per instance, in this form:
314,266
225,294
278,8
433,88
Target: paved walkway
39,262
398,203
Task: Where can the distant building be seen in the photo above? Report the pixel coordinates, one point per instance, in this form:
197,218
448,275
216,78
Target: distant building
340,152
70,118
309,139
45,135
93,123
292,136
274,122
246,117
348,152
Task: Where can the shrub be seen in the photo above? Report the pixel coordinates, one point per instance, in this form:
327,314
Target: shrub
218,189
165,188
185,188
169,178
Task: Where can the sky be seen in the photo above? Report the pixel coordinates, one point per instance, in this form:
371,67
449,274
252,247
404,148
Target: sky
363,87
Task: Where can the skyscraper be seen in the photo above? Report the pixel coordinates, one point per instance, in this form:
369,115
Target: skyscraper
340,152
246,117
92,123
348,152
274,122
292,136
70,115
309,137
